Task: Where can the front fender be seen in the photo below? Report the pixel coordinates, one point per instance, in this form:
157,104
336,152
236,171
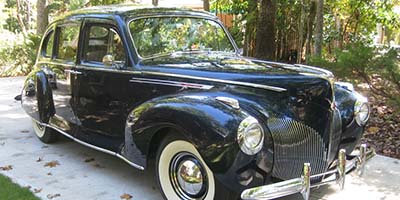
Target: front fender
345,99
209,124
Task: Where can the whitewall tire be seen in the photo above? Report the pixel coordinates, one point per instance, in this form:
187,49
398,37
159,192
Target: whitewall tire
182,173
45,134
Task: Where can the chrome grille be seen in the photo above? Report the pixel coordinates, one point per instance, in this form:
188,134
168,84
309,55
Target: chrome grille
294,144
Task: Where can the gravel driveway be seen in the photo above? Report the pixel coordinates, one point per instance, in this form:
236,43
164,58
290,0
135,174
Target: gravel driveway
67,170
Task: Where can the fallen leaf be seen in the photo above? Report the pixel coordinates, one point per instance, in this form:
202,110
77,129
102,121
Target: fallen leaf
373,129
37,190
52,164
98,165
6,168
89,160
24,131
39,159
52,196
49,174
126,196
43,147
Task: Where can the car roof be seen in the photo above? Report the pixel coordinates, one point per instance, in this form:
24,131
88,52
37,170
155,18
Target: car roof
134,10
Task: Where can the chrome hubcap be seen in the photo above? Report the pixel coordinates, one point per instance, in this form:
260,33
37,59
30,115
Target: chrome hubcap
188,176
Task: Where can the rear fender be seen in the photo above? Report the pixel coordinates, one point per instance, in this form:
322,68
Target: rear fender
37,97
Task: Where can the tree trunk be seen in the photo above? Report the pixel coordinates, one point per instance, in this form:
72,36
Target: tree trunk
301,33
42,17
265,36
250,29
20,17
319,28
310,25
206,5
155,2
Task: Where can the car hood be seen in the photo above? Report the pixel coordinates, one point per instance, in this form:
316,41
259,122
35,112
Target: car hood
224,62
230,67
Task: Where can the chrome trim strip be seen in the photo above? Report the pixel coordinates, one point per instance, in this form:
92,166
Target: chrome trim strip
103,69
326,72
56,63
267,87
92,146
171,83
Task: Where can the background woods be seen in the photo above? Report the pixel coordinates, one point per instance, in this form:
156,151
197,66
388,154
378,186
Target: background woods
356,39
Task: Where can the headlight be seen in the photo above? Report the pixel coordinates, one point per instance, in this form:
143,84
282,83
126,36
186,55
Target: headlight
361,110
250,136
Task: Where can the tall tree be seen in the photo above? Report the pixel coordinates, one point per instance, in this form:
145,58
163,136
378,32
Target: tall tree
206,5
42,17
319,26
265,36
310,25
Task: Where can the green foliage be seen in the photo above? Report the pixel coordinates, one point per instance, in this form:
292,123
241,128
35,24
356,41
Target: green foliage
360,63
12,25
19,58
357,19
104,2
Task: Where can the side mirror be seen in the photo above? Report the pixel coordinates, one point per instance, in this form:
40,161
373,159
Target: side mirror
108,60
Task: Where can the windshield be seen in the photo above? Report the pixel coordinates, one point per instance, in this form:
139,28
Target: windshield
163,35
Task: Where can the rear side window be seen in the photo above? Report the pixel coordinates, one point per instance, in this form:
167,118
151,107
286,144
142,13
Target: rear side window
47,49
101,41
68,42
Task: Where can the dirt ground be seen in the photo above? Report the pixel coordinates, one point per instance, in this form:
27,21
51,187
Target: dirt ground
383,128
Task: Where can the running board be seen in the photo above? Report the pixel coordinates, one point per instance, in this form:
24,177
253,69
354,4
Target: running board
92,146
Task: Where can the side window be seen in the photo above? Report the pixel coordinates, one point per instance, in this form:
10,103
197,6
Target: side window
103,45
47,47
68,42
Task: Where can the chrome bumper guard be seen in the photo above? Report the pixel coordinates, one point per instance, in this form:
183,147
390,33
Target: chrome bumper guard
303,185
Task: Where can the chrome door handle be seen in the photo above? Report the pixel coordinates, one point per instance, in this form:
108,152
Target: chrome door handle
73,71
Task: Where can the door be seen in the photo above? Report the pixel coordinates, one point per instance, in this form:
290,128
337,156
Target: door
61,75
103,93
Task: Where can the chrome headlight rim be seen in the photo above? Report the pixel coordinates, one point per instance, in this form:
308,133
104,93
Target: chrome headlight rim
244,133
361,108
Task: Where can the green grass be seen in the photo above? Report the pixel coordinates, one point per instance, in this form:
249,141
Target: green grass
12,191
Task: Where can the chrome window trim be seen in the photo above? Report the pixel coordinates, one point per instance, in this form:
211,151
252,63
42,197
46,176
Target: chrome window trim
69,64
92,146
216,20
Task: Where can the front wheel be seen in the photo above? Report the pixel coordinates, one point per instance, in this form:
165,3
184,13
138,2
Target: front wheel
45,134
182,173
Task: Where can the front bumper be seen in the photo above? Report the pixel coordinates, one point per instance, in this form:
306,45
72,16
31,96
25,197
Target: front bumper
303,185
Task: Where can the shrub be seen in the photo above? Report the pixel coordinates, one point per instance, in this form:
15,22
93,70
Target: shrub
19,58
381,71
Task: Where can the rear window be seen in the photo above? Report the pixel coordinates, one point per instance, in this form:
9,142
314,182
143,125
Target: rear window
68,42
47,49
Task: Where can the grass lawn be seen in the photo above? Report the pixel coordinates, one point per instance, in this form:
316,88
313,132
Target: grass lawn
12,191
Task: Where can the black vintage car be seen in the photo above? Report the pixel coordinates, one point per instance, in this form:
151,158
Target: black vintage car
165,83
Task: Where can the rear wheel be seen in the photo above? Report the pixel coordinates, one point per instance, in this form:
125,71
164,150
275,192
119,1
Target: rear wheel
44,133
182,173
